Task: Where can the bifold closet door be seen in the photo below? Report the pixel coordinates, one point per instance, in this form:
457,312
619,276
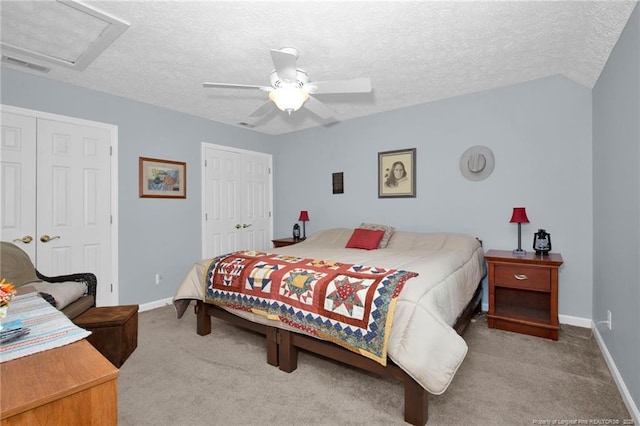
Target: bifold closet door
73,201
236,202
18,181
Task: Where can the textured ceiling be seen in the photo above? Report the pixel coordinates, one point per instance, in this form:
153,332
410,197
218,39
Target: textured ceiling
414,52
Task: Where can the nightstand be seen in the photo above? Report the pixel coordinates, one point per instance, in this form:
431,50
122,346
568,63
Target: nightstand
523,292
283,242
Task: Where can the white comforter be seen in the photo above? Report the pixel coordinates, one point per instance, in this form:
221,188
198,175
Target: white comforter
422,341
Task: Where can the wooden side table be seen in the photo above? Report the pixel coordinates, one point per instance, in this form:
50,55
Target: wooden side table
523,293
283,242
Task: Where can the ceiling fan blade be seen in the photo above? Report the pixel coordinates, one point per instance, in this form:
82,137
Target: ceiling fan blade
285,64
262,110
235,86
318,108
356,85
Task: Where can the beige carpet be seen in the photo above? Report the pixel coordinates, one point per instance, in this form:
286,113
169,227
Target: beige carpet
176,377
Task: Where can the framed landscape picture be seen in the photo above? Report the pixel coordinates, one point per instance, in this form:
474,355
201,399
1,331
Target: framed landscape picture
397,174
162,178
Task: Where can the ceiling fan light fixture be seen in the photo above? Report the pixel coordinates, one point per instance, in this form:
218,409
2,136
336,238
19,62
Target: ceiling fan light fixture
289,98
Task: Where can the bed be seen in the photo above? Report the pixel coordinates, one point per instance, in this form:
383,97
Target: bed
423,346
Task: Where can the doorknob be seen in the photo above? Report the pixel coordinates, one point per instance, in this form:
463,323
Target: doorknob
238,226
244,225
26,239
45,238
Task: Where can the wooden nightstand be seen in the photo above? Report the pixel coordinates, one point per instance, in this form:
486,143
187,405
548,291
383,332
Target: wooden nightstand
283,242
523,292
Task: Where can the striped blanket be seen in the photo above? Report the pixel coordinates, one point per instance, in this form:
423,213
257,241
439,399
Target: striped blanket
350,305
49,328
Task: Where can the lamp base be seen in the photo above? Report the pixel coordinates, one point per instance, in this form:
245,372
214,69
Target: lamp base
519,252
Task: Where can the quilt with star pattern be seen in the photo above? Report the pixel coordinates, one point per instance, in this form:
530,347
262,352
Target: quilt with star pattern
350,305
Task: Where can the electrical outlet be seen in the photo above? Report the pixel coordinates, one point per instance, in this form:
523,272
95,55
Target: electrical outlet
158,278
609,319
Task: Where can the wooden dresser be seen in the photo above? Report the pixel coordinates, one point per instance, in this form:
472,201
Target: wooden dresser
69,385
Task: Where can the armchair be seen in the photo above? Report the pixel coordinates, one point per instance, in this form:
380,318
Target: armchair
72,294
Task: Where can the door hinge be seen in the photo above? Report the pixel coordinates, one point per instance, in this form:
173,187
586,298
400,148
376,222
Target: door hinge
111,151
111,219
205,163
269,214
206,216
111,287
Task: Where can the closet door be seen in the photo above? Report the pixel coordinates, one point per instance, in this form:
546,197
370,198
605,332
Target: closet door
18,181
55,178
73,207
236,200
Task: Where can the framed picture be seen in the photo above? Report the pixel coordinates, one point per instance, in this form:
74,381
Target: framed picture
397,174
162,178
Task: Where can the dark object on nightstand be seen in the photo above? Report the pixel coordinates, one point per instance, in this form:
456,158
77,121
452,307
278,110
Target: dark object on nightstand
114,331
542,242
296,232
523,292
283,242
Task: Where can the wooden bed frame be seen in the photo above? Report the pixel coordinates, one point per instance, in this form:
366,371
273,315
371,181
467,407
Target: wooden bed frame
283,346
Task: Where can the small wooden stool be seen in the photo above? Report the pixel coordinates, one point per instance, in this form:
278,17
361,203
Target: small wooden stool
114,330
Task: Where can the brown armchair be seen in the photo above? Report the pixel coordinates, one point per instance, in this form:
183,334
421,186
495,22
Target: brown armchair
72,294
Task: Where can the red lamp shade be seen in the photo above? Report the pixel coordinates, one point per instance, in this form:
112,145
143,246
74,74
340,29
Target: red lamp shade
304,216
519,215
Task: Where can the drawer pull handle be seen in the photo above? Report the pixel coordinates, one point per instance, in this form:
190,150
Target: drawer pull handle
520,277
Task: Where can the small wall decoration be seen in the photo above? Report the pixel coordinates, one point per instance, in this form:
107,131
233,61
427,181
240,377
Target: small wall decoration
162,178
397,174
337,182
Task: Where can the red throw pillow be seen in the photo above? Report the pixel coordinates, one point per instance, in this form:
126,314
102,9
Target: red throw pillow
365,239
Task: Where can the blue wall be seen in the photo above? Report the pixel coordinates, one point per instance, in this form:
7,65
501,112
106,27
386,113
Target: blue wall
540,134
616,207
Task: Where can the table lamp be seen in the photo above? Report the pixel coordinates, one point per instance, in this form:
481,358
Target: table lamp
519,216
304,216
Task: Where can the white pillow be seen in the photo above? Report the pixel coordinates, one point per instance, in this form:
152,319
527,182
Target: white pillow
64,293
388,232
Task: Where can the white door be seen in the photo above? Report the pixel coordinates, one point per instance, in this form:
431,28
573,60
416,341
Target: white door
18,181
236,201
73,208
56,189
256,208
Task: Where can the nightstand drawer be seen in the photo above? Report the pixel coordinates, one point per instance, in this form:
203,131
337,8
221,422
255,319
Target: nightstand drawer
524,277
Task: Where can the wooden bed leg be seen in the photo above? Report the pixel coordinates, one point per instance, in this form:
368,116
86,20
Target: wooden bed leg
287,353
416,403
204,320
272,346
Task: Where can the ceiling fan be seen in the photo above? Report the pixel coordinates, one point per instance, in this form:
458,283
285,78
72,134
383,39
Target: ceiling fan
291,89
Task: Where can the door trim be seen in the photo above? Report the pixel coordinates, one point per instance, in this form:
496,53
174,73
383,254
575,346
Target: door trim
113,130
203,147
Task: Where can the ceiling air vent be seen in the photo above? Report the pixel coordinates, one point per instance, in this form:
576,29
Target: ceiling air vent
24,64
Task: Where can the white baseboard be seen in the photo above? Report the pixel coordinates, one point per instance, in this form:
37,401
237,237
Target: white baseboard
622,387
577,321
157,304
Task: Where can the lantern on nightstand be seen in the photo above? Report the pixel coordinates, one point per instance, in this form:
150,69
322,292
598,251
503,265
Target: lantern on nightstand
542,242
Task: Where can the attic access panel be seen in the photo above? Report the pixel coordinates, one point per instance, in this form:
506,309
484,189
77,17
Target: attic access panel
61,32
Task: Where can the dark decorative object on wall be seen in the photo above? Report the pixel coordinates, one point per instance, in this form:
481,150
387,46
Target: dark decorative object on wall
542,242
337,182
397,174
519,216
162,178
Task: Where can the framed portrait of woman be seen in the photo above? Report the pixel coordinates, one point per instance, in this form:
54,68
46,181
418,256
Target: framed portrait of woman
397,174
